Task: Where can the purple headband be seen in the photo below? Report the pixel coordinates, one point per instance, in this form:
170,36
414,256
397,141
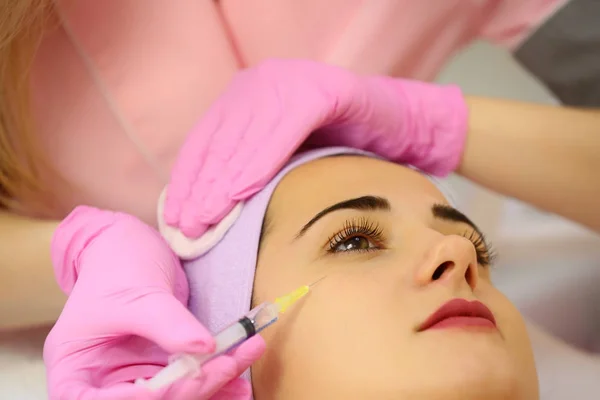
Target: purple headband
221,280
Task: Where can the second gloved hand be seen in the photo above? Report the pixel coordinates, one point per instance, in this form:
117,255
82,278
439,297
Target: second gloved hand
270,110
126,313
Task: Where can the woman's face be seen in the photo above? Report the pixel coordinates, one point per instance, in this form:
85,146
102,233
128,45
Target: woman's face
392,252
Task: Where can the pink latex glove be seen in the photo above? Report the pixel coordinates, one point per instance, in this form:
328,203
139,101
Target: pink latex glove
125,314
270,110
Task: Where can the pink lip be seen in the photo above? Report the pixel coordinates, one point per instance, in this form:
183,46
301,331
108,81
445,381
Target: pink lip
460,313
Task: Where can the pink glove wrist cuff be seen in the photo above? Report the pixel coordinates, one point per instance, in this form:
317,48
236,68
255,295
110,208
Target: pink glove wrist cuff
450,125
435,121
187,248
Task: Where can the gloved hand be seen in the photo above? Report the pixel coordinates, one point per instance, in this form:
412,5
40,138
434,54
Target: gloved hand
270,110
125,314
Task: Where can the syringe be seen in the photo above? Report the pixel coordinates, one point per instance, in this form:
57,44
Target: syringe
229,338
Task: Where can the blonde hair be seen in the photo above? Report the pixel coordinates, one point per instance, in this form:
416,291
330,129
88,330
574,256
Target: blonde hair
22,25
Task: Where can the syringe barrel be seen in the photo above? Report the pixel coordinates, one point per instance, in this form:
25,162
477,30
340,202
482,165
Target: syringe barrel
232,336
249,325
263,315
227,339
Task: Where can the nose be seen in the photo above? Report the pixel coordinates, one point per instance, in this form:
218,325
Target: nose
452,259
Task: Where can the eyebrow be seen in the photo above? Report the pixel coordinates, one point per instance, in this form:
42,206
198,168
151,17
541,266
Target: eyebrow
375,203
451,214
363,203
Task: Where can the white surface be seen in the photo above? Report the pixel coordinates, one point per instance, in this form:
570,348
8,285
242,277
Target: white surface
542,256
22,374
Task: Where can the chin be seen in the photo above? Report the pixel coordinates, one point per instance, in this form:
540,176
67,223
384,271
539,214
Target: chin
497,377
499,385
486,369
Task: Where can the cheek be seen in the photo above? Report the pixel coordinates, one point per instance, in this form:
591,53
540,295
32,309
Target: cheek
509,319
512,325
325,344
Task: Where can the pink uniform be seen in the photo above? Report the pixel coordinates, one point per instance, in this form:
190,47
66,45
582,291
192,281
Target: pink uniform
119,85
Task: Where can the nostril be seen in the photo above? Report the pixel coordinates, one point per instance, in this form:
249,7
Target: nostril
439,271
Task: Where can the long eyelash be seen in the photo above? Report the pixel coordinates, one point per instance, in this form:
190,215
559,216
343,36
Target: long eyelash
486,255
356,227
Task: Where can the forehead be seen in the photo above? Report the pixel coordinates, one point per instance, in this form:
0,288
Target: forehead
321,183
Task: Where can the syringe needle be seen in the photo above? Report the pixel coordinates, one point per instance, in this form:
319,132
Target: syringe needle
284,302
317,281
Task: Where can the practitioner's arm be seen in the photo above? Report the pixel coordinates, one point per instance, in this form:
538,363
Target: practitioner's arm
548,156
29,294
